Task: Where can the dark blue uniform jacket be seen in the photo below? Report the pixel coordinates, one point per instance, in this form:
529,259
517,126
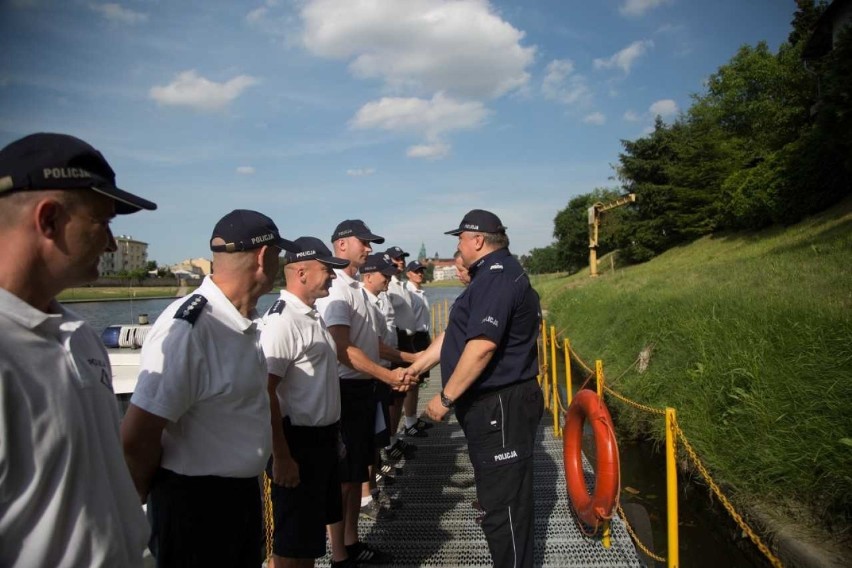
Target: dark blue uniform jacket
500,305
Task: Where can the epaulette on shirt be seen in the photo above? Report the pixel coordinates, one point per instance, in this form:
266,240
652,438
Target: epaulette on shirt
496,267
191,309
277,307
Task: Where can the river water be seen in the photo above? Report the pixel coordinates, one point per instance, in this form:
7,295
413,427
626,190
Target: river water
707,536
102,314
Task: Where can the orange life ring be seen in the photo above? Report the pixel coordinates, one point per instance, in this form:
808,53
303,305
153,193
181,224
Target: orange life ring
591,509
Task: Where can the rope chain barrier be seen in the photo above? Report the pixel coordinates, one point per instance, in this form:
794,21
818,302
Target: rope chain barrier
635,537
268,521
693,455
774,560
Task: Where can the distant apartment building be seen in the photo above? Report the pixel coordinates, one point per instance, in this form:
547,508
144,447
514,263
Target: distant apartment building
445,273
194,268
129,255
442,268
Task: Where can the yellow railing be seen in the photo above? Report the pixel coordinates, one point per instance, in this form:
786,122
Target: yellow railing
440,312
548,380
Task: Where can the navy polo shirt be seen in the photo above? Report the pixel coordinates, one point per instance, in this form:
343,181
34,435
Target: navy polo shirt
500,305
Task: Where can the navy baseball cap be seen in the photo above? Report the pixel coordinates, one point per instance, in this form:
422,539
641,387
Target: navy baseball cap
379,262
311,248
60,161
480,221
355,228
414,266
243,229
396,253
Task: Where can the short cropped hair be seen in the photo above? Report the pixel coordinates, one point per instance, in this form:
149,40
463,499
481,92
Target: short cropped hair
497,240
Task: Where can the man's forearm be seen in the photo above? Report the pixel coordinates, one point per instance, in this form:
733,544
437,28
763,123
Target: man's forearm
475,357
141,434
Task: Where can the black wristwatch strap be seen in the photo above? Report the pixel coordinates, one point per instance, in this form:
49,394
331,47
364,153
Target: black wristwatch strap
446,401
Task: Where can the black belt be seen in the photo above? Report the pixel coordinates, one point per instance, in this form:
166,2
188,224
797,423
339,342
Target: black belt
312,433
479,394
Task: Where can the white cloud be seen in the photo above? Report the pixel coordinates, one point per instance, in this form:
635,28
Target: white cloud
625,58
260,13
117,13
257,15
360,172
639,7
632,116
428,117
561,84
461,47
664,108
245,170
433,151
595,118
194,91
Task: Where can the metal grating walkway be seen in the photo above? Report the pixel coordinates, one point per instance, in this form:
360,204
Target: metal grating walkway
436,525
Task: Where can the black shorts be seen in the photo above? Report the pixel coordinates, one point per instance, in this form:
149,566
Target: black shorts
383,397
301,513
205,520
412,344
357,428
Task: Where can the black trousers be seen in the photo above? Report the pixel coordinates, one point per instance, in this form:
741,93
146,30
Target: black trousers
205,521
501,428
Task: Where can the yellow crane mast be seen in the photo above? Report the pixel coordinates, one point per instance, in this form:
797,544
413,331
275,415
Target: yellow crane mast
594,223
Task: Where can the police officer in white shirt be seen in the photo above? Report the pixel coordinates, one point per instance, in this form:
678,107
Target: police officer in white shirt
66,497
345,313
304,393
415,273
197,435
405,323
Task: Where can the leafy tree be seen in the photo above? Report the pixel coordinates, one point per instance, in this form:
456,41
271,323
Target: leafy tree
151,265
542,260
571,230
804,20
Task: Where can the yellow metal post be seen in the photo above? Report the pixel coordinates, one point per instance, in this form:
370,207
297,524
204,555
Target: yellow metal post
671,489
555,394
569,388
599,376
606,537
544,345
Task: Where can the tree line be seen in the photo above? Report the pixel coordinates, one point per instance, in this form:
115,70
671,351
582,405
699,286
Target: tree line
768,142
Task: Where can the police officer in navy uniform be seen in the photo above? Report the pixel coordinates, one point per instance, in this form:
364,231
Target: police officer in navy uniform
489,363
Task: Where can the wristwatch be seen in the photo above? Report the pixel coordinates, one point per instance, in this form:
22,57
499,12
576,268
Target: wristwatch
446,401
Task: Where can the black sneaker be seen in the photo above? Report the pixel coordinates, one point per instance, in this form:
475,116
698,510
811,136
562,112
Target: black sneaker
386,479
363,553
388,469
374,512
406,447
348,563
423,425
415,432
398,451
388,502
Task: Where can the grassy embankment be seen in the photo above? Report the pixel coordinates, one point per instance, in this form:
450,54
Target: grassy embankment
751,338
118,293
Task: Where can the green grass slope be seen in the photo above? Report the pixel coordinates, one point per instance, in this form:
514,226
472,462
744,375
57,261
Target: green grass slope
751,338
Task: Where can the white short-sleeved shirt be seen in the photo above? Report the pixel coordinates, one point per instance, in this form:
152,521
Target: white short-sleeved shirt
420,305
66,496
345,305
376,306
400,299
390,319
301,351
208,378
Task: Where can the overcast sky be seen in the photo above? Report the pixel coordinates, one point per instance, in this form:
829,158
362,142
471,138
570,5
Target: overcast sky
404,113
